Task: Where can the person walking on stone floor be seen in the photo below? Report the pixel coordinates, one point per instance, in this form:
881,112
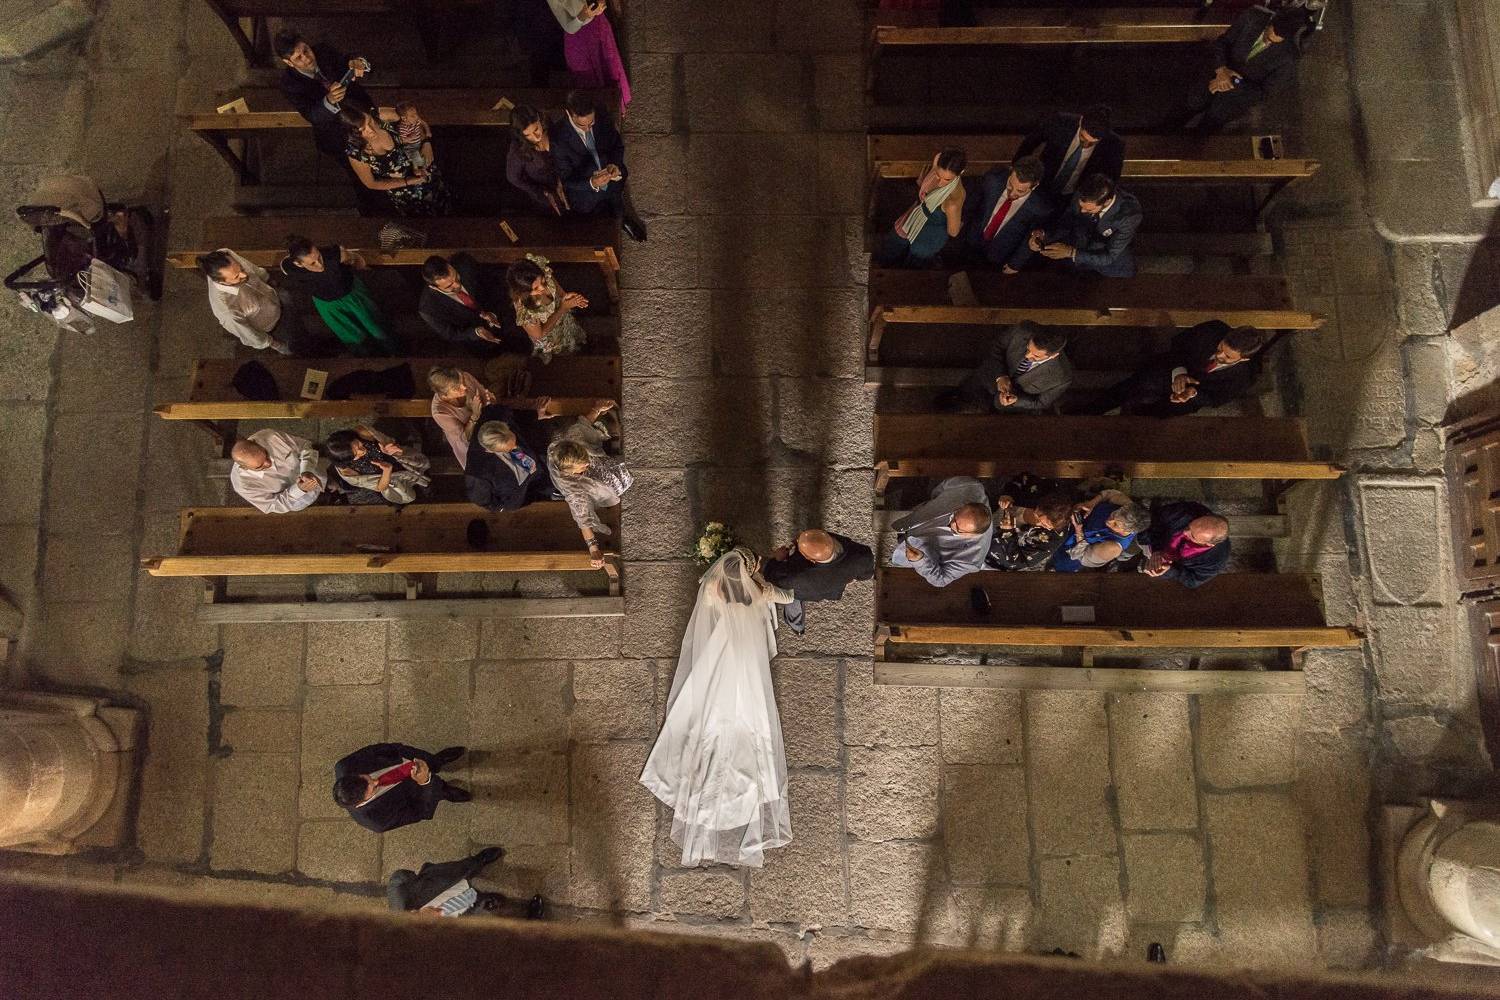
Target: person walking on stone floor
817,566
385,786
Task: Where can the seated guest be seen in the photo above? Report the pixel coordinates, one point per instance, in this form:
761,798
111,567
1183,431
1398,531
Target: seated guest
1256,57
1207,365
457,401
327,275
1031,520
366,459
445,890
817,566
1009,207
1094,234
310,82
529,165
1102,528
1074,147
544,310
947,537
243,301
277,472
587,477
1186,542
455,305
590,158
917,236
380,164
389,785
1025,371
504,470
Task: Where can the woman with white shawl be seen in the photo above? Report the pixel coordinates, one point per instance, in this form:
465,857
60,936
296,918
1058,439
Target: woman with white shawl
917,236
719,761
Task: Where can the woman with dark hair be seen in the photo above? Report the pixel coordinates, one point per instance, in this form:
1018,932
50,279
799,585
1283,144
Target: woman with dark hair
544,310
340,297
529,165
369,461
924,229
377,159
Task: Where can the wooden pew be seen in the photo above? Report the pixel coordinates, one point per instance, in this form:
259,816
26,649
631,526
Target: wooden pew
1072,447
416,541
1131,613
1240,525
590,239
247,20
441,107
1043,26
899,297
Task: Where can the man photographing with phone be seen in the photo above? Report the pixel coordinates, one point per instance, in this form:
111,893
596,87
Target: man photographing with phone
310,86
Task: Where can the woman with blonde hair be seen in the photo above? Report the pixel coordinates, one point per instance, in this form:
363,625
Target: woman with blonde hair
587,477
457,401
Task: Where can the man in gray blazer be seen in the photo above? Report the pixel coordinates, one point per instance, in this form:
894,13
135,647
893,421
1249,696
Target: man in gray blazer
948,536
1025,371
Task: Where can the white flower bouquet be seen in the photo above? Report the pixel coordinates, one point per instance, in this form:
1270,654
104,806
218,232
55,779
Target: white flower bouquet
715,540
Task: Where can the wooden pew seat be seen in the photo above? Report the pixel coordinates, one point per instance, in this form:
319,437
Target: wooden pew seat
255,42
1052,26
571,381
1077,447
591,239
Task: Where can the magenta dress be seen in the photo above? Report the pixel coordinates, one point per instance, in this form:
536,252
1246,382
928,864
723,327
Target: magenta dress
594,58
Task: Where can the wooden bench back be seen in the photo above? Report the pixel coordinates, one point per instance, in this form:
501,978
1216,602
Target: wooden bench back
441,107
1051,26
572,381
922,444
421,538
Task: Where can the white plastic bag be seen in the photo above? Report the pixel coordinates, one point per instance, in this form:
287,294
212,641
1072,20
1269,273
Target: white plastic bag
106,292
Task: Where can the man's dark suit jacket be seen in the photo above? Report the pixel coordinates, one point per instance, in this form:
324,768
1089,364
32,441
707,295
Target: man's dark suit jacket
575,164
811,581
1194,350
411,890
1166,521
1037,390
1009,247
489,482
455,322
407,802
306,95
1273,69
1103,243
1054,135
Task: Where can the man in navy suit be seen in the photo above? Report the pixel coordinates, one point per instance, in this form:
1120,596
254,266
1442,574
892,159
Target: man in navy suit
1095,232
590,158
1255,57
310,81
1011,204
1074,147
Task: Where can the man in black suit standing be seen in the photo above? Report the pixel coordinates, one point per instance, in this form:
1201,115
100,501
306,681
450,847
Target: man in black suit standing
444,889
506,467
1096,231
389,785
1186,542
310,81
1073,147
456,306
1025,371
817,566
590,158
1207,365
1254,58
998,222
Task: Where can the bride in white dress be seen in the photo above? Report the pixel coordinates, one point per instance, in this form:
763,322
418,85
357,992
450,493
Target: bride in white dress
719,761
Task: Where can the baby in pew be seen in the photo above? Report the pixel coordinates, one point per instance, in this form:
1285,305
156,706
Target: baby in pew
414,135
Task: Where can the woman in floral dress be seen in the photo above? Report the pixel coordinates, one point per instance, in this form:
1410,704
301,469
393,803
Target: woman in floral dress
544,310
376,156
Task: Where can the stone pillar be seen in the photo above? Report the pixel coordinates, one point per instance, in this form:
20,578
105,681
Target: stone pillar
66,764
30,26
1448,881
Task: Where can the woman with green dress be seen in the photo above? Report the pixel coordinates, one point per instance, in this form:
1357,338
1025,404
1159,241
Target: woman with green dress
341,298
544,310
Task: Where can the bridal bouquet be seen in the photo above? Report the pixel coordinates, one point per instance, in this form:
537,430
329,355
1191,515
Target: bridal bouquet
715,540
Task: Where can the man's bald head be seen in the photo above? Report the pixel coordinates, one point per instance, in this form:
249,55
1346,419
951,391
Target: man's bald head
249,455
816,545
1210,529
971,519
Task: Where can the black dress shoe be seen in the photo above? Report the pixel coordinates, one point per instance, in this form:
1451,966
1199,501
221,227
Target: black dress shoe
1156,953
536,908
490,855
448,755
634,228
452,793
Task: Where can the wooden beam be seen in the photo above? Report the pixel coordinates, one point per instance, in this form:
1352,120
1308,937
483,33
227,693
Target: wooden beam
1220,637
1060,315
422,608
249,409
1042,26
359,562
1047,678
1085,468
1240,525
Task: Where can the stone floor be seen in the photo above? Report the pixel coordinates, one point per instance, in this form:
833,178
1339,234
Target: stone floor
1232,829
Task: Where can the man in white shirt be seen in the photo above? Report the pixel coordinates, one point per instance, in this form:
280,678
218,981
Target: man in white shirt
243,301
444,889
277,472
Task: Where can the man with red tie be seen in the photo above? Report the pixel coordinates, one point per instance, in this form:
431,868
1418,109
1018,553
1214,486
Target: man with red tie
1010,206
457,307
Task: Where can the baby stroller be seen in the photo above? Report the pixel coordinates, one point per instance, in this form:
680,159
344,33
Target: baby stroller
78,227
